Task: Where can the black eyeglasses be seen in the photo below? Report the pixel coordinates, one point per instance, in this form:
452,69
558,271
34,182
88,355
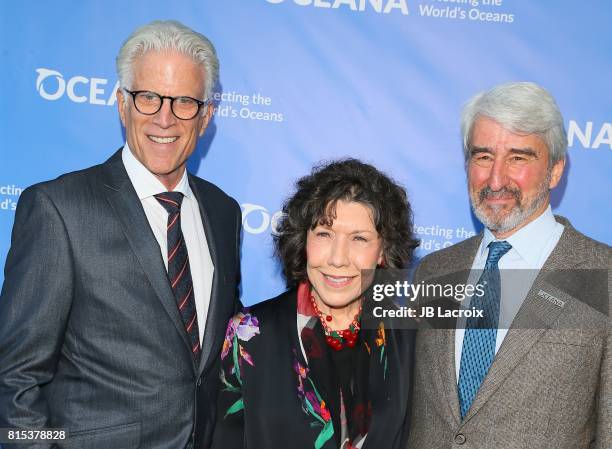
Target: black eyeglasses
149,103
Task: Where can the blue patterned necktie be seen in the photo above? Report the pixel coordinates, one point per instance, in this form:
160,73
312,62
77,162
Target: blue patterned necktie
480,333
179,271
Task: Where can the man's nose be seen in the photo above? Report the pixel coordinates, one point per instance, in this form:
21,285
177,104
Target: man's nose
165,118
498,176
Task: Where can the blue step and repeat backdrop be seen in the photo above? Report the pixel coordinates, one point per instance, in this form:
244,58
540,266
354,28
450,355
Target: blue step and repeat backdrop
310,80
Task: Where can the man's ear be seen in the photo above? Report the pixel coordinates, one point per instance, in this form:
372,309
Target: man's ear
121,105
556,173
206,118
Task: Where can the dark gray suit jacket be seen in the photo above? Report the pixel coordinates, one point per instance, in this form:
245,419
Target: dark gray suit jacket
550,384
90,336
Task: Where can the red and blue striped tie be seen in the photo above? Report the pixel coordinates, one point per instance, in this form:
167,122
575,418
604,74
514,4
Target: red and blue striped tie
179,271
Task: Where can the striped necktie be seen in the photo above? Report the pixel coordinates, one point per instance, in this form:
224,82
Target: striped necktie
179,271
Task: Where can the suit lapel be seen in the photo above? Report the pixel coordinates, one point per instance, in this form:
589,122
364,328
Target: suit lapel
211,333
535,316
456,269
533,319
128,209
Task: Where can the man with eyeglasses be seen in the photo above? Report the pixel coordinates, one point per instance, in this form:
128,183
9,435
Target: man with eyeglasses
121,277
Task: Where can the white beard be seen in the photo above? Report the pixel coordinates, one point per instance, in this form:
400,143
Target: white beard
492,218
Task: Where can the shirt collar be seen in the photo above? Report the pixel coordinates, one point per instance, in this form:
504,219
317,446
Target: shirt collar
145,183
530,240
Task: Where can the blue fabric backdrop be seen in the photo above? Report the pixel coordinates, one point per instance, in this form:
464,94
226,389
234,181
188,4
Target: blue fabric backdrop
309,80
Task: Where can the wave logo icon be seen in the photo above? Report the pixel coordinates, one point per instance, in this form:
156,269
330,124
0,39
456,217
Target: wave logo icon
51,85
256,219
43,74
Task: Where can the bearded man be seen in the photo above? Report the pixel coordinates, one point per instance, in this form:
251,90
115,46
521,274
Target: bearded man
536,370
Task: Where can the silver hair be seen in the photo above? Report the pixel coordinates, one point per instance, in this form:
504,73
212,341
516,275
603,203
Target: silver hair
168,35
522,108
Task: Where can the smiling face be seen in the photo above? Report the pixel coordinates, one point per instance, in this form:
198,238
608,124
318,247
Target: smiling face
508,177
336,254
162,142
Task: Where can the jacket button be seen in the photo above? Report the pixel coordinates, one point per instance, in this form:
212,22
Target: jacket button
460,438
199,382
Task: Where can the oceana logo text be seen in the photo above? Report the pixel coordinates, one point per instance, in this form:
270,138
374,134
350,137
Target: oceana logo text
52,86
256,219
589,135
379,6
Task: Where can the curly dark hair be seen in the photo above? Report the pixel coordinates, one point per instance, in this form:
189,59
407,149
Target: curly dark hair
314,203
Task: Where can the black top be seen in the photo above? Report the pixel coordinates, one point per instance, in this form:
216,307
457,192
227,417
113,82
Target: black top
281,383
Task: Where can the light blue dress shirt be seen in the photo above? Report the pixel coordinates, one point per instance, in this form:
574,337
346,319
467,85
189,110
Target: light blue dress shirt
531,246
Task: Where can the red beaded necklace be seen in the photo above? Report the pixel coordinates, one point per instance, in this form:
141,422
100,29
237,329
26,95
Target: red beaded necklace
337,340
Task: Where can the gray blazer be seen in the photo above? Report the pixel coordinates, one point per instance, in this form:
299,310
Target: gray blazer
550,384
91,338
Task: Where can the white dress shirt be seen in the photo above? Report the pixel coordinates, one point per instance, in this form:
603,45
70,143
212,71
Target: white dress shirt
531,246
146,186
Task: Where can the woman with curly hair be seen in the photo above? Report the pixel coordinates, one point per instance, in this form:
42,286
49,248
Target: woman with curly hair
298,370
